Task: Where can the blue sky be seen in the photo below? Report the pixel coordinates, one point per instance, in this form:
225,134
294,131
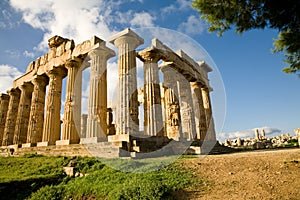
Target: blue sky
258,94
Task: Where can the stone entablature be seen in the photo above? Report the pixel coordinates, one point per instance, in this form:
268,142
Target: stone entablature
177,109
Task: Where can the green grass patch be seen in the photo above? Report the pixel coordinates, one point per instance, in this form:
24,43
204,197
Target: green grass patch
38,177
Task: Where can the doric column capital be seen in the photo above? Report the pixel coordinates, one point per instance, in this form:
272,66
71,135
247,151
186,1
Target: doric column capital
102,51
127,36
149,56
26,87
73,63
57,72
40,80
4,97
196,84
14,92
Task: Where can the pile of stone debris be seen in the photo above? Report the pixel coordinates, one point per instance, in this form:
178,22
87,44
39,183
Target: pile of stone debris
263,142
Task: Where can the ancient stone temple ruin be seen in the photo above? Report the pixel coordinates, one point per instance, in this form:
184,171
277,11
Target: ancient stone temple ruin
177,110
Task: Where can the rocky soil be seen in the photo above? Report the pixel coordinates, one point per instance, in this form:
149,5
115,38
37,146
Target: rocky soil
268,174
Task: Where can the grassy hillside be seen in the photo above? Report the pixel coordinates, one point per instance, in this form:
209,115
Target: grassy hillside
38,177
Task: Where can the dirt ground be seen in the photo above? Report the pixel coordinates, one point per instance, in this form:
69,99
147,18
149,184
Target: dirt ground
272,174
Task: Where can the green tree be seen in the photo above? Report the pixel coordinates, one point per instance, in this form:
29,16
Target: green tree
243,15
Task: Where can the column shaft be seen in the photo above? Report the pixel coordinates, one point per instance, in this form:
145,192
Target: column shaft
152,97
97,116
36,119
172,109
4,102
72,110
211,135
127,121
200,116
186,108
20,135
51,131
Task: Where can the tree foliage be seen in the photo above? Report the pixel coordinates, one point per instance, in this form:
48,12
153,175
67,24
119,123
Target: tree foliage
244,15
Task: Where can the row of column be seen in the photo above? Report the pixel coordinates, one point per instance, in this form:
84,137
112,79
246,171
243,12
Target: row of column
22,109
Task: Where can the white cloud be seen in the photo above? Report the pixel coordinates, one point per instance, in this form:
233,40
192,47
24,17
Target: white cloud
28,54
250,133
178,5
142,19
7,75
193,26
73,19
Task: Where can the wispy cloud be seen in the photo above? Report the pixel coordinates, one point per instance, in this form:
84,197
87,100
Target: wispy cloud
7,75
142,19
177,5
193,26
249,133
28,54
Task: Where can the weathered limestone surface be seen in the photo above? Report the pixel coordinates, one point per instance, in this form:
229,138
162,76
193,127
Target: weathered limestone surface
72,103
12,114
127,121
20,135
36,119
152,98
186,109
51,131
201,124
172,109
211,135
4,101
97,108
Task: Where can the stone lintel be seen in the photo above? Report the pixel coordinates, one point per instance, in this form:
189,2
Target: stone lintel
127,33
92,140
205,66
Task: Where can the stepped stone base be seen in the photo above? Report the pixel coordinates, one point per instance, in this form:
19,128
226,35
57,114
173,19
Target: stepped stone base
28,145
92,140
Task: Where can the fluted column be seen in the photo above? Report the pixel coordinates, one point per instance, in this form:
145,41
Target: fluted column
72,111
127,121
11,118
211,135
200,116
96,121
36,119
172,108
4,102
186,108
20,135
51,130
152,97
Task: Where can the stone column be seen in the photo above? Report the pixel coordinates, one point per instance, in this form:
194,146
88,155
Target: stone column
201,124
172,108
11,118
20,135
4,102
83,125
153,125
36,119
127,121
186,109
97,116
72,111
51,130
211,134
